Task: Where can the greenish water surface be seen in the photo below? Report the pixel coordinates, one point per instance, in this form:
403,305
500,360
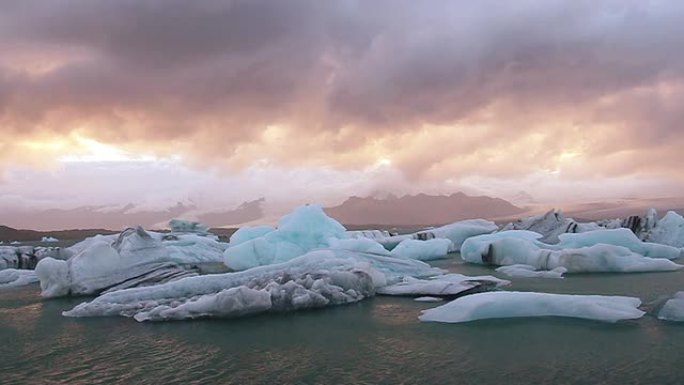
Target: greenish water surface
377,341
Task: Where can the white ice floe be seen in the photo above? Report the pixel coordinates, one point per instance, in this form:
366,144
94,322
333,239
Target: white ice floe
319,278
16,277
673,309
527,271
422,250
443,285
456,232
428,299
49,240
617,237
520,304
135,258
305,229
519,247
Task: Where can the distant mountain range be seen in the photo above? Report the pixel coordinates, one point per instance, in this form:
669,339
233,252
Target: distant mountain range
420,209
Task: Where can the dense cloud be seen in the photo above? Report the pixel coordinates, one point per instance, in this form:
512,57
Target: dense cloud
456,88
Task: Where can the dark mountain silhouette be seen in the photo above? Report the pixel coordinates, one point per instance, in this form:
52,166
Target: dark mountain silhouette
246,212
420,209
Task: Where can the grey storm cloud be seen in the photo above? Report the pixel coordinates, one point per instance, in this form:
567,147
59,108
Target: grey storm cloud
151,69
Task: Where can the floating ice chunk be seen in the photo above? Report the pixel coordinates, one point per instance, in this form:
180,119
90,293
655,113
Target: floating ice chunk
320,278
528,271
617,237
8,257
443,285
16,277
455,232
370,234
364,245
305,229
134,257
185,226
673,309
550,225
515,247
428,299
247,233
668,231
519,304
422,250
49,239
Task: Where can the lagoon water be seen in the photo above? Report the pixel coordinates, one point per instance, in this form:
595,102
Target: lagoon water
377,341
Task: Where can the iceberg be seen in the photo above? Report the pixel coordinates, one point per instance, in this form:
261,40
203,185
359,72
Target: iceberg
16,277
448,285
422,250
673,309
185,226
527,271
135,258
49,239
318,278
520,247
364,245
668,231
521,304
456,232
550,225
247,233
618,237
305,229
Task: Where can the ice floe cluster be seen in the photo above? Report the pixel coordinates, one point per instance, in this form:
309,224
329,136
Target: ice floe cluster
309,260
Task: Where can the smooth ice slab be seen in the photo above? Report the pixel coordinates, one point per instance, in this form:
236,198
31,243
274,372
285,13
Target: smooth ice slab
521,304
443,285
16,277
527,271
428,250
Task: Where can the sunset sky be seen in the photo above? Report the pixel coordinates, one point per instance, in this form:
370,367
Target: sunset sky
214,103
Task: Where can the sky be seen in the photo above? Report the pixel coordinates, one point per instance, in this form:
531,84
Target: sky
211,104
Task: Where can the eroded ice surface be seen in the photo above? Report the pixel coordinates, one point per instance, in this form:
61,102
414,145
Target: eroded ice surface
16,277
520,304
319,278
673,309
519,247
443,285
550,225
135,258
527,271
